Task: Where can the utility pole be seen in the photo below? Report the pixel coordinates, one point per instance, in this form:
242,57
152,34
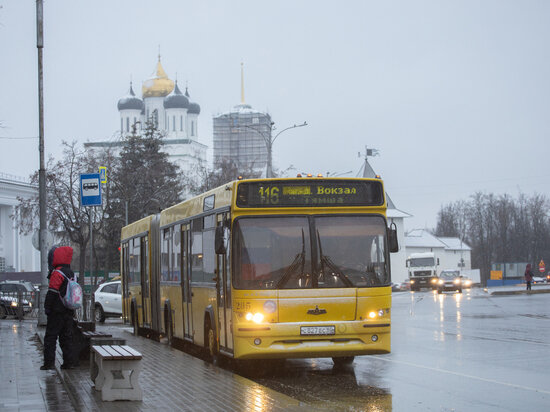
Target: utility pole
42,320
269,140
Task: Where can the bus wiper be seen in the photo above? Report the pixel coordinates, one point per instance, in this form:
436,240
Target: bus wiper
299,261
326,261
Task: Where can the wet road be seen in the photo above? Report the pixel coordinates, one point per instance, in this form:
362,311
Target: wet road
450,352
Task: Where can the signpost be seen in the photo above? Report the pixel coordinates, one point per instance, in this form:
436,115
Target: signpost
542,266
90,195
90,189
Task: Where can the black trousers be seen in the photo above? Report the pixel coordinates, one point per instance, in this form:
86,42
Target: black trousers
59,325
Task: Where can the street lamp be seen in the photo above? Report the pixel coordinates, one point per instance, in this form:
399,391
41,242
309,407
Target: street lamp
269,141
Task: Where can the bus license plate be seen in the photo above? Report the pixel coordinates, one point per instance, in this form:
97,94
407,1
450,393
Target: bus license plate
317,330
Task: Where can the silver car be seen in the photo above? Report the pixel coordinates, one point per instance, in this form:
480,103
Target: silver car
108,301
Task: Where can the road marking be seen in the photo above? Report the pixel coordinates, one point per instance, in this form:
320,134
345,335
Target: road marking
464,375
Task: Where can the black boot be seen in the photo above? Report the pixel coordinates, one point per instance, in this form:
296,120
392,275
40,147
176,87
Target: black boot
47,366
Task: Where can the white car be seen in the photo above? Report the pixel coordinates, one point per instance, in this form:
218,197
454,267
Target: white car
108,301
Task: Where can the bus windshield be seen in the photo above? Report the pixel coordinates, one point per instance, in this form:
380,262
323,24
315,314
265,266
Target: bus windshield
295,252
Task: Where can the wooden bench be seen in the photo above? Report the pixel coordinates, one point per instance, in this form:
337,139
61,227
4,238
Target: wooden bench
83,339
118,372
97,341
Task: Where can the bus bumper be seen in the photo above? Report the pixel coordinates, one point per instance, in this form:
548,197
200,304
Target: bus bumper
275,341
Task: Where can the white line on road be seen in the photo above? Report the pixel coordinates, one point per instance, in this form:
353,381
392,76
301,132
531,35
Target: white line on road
513,385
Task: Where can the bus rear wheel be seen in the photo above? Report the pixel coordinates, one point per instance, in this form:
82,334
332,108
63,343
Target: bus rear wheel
135,320
169,329
211,344
343,360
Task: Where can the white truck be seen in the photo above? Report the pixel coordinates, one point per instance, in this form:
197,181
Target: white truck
422,269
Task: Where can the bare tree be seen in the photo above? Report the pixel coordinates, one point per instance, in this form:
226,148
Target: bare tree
499,229
66,218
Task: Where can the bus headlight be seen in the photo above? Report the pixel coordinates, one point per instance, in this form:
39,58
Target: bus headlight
256,317
374,314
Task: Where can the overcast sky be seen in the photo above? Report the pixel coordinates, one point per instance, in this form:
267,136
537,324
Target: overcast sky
455,95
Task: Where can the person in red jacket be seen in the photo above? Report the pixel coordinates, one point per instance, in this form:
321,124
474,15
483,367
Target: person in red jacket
60,319
528,276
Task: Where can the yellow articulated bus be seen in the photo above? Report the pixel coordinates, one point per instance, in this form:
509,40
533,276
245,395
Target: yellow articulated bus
266,269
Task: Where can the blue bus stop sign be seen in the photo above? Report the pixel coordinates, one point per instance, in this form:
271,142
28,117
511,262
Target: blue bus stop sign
90,189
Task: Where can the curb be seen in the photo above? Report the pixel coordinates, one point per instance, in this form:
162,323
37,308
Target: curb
518,292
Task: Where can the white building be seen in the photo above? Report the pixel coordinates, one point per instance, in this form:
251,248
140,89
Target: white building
173,113
16,251
451,252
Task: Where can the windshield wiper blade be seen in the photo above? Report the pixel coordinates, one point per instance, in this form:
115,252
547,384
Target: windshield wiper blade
325,260
299,261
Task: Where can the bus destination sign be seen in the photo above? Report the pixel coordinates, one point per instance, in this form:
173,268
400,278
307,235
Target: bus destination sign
314,193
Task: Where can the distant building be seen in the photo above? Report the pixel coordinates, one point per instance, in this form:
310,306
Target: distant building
172,112
398,260
240,136
16,251
451,251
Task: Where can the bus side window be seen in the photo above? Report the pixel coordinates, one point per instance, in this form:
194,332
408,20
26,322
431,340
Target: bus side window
196,251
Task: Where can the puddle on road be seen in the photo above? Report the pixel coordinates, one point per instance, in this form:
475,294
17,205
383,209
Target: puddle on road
322,386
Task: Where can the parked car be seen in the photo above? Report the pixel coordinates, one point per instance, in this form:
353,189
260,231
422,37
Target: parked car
449,280
395,287
15,294
108,301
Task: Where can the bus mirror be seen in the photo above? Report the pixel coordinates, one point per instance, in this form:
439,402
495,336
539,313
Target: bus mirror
392,238
222,237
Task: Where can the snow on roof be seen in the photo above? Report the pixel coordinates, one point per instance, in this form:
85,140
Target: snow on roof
422,238
454,243
396,213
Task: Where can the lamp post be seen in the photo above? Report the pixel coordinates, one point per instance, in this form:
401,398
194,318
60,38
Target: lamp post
269,140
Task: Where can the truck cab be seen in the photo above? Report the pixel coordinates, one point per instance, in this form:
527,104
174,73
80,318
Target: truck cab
422,270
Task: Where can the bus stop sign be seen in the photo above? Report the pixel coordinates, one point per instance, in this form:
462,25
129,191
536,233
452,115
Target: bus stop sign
90,189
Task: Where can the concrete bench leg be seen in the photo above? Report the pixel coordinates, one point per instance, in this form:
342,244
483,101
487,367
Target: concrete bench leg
125,386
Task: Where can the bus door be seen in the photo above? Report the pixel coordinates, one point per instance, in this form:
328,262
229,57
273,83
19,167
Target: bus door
145,299
186,282
126,282
223,292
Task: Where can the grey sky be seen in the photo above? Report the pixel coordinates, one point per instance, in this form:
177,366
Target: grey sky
454,94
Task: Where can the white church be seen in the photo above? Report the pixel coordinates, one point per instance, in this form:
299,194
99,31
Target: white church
173,113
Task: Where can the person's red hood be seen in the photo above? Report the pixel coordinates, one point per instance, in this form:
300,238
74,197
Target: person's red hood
63,255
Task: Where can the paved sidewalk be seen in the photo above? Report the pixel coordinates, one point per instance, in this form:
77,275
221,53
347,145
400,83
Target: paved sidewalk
24,387
170,379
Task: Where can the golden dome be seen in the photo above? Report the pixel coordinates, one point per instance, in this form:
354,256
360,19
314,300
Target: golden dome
159,85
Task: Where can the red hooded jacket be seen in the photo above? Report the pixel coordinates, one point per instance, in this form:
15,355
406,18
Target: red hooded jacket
59,259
